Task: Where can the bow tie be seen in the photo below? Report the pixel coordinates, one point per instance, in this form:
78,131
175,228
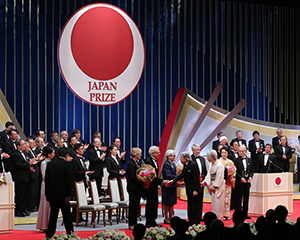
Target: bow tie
98,150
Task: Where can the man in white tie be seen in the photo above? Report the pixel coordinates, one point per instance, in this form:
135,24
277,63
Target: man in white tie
202,170
21,176
266,160
244,175
284,154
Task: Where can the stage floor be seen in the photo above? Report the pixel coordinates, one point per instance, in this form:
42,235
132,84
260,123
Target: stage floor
25,227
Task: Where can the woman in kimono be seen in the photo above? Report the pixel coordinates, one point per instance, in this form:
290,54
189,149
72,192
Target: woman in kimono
229,181
215,183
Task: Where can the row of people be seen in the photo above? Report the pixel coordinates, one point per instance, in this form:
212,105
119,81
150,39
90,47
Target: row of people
256,146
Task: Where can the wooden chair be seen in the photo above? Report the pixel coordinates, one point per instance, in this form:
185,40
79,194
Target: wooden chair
115,196
109,205
125,196
83,207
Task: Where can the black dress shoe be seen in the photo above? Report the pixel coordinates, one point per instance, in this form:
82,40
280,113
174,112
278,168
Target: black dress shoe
248,217
165,222
19,215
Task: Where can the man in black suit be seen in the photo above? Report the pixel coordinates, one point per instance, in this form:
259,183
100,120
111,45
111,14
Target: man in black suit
96,134
53,136
284,154
64,134
59,143
276,140
152,191
202,172
72,141
266,160
96,158
58,185
256,147
76,132
10,147
21,176
121,152
234,150
39,145
4,134
217,142
244,175
190,173
239,138
40,133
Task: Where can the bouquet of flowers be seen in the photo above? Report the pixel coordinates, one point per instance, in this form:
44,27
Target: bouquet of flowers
111,235
154,233
194,229
146,174
2,179
64,236
231,170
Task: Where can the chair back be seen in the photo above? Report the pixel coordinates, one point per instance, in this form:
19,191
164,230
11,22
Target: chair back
105,178
114,190
80,194
94,192
124,189
8,176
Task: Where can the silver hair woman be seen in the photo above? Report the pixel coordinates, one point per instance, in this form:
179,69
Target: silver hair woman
169,195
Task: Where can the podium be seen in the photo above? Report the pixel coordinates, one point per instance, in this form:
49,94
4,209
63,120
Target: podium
7,207
268,190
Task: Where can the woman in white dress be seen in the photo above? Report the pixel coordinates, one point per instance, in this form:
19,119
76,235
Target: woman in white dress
44,208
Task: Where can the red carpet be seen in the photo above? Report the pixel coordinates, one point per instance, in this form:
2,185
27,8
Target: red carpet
35,235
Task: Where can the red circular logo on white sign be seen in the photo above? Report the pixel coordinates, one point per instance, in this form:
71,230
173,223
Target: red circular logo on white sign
277,181
101,54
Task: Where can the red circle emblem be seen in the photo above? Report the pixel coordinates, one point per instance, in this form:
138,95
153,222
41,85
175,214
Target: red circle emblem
97,49
277,181
101,54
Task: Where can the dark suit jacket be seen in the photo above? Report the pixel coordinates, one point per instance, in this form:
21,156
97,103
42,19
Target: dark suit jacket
157,181
58,179
169,172
283,163
215,145
96,164
51,144
113,168
72,151
78,170
21,173
252,148
231,155
133,184
36,167
37,150
3,137
268,168
123,160
240,169
190,173
276,142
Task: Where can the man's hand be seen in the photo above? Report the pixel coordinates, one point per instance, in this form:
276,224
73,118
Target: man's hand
102,156
122,154
243,180
32,169
86,146
5,155
195,193
249,180
283,156
89,172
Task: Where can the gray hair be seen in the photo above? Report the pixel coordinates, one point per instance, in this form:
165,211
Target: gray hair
238,131
58,139
195,145
170,152
135,151
278,129
152,149
243,146
38,139
186,156
222,138
213,154
18,141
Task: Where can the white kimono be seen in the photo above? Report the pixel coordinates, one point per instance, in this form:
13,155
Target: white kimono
215,177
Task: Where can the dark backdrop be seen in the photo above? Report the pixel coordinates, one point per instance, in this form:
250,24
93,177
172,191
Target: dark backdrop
252,49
